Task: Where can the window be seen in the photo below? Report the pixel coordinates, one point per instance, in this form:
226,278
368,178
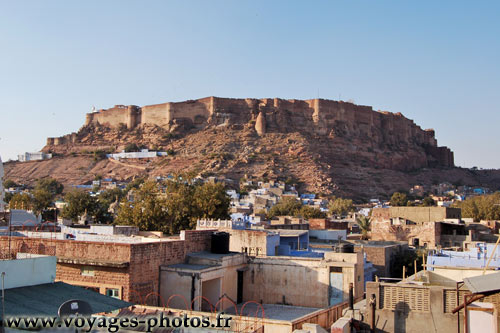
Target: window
112,292
87,271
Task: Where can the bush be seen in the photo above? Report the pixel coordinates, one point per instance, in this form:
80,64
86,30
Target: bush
131,147
340,206
399,199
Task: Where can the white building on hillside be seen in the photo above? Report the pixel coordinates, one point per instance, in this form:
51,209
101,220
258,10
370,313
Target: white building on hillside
144,153
35,156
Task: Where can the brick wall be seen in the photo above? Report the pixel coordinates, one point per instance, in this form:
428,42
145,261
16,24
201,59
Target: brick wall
100,278
197,240
427,233
381,257
317,224
131,268
322,224
417,214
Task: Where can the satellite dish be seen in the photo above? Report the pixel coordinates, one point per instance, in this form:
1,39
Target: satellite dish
74,307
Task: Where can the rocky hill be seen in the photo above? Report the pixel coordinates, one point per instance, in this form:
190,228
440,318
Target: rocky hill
327,146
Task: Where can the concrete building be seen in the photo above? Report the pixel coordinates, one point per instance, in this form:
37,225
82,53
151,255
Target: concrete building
202,280
305,282
431,234
144,153
256,243
331,235
457,265
294,239
424,303
281,265
309,282
35,156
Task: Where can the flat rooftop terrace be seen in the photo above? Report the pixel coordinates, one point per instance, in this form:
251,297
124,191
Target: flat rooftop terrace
213,256
90,237
272,311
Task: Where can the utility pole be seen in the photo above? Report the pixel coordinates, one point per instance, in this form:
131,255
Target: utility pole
373,306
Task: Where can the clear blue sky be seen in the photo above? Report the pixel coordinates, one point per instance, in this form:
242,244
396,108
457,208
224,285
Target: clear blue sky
437,62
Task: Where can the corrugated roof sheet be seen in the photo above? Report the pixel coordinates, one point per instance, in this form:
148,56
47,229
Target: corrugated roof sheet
483,283
45,299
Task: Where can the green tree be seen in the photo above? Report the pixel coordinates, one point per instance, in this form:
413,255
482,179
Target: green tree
107,197
8,197
340,206
50,185
399,199
136,183
42,199
8,183
483,207
103,202
77,203
210,201
364,223
131,147
286,206
21,201
147,211
178,208
46,190
309,212
428,202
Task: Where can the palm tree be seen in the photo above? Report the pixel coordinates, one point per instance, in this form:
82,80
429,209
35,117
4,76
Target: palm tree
364,223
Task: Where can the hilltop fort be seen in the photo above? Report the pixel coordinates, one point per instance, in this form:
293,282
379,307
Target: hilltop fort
323,146
335,120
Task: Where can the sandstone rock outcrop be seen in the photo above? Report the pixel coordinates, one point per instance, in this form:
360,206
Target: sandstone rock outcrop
260,124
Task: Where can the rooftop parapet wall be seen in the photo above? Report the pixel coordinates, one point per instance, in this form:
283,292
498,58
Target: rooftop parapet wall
417,214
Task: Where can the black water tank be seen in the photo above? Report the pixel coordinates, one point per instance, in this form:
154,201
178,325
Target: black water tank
344,248
220,242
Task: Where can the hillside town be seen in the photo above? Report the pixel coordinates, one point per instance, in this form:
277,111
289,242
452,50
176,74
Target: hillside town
273,258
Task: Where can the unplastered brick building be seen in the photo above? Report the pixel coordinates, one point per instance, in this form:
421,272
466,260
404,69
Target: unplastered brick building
123,267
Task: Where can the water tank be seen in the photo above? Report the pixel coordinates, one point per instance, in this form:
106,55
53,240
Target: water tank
344,248
220,242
